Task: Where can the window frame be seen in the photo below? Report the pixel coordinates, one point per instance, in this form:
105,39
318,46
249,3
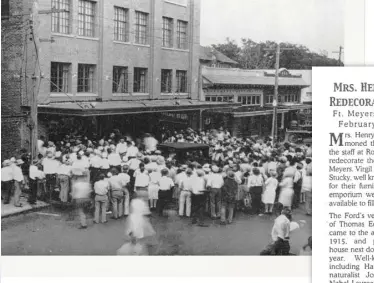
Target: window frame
167,32
167,87
121,24
61,21
5,9
117,87
83,17
61,82
141,23
142,85
181,80
182,44
89,83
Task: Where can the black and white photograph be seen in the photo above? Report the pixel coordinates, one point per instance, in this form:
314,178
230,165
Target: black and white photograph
161,127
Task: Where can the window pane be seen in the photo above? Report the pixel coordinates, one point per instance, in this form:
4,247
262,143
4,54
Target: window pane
120,80
181,81
140,80
60,73
86,78
182,35
121,30
167,32
61,20
86,18
141,28
166,81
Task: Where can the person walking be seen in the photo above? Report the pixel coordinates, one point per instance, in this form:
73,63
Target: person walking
101,189
154,186
50,167
125,179
81,194
286,190
229,193
141,183
36,175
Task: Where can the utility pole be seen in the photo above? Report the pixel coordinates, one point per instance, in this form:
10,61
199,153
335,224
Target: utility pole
274,130
340,54
34,25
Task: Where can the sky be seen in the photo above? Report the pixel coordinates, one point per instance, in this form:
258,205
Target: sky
317,24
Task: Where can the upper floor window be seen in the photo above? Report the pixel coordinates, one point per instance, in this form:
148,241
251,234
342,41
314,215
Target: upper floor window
86,78
61,19
182,42
269,99
86,18
166,79
121,24
141,27
140,80
167,32
120,80
181,81
60,76
5,9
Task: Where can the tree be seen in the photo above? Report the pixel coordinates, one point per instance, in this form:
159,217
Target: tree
252,55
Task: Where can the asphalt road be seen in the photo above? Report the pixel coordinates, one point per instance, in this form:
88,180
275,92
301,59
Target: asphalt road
54,231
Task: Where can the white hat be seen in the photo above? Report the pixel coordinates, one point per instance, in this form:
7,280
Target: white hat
125,159
58,154
6,162
104,155
215,169
81,153
13,160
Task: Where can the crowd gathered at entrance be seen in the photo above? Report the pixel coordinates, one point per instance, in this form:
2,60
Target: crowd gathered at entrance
249,175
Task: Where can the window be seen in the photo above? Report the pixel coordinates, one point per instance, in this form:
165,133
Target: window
167,32
181,81
253,99
224,98
166,79
86,78
182,35
120,80
86,18
141,28
5,11
269,99
60,75
121,24
61,20
140,80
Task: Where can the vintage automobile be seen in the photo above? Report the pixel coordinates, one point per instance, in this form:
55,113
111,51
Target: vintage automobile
185,150
300,134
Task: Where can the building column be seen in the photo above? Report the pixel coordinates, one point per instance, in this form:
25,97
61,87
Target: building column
201,122
282,125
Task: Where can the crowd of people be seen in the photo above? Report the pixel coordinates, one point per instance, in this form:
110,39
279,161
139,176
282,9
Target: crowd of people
252,175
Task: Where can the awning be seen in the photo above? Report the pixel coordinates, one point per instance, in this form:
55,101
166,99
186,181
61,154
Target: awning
86,109
264,111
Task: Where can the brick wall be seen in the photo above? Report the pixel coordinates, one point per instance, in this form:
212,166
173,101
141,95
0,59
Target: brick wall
13,120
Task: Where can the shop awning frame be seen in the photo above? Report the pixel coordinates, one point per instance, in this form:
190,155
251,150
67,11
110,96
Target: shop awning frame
129,107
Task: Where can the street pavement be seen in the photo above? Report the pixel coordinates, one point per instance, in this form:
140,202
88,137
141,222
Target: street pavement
54,231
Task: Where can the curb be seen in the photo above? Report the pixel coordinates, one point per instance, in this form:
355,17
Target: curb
33,209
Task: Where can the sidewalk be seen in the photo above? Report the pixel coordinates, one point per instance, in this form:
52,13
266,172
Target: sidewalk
8,210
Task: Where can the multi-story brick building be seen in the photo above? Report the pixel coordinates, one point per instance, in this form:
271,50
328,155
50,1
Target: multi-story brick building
107,64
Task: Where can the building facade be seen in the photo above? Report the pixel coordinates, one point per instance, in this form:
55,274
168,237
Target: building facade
253,90
106,64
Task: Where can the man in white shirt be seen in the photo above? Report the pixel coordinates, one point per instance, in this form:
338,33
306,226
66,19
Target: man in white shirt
198,198
18,182
7,181
116,187
121,148
165,191
95,164
101,188
35,174
185,194
132,150
114,160
125,177
214,186
142,182
50,167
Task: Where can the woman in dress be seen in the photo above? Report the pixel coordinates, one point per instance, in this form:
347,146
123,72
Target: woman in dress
268,197
286,190
153,187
